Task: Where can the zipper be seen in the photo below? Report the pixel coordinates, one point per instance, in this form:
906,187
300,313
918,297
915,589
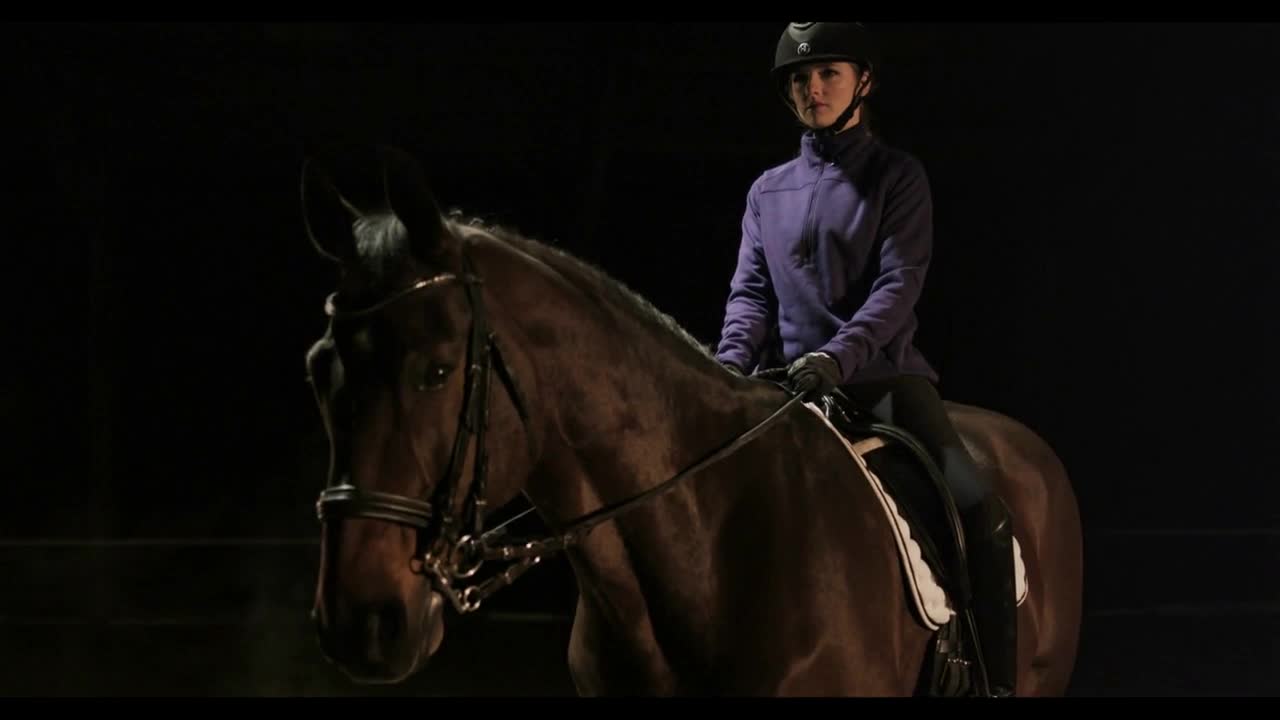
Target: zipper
809,235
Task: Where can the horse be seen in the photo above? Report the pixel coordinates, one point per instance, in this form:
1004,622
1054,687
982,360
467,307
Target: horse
723,539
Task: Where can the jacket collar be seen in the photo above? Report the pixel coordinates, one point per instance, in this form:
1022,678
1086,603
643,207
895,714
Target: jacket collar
830,148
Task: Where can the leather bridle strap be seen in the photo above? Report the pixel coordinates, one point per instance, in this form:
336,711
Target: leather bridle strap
347,501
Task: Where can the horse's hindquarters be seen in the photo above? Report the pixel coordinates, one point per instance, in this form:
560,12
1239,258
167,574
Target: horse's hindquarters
1046,520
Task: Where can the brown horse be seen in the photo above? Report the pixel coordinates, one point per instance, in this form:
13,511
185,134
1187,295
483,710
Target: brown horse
723,538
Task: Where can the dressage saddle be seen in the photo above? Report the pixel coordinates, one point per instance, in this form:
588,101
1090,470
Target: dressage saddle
912,477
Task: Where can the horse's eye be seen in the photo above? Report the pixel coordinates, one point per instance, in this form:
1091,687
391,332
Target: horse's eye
433,378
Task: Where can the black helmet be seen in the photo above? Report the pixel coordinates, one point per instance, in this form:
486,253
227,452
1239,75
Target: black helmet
818,41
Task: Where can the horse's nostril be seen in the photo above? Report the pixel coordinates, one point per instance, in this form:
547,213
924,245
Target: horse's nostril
382,629
391,622
373,637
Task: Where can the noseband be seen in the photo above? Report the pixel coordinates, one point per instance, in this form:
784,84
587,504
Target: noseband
454,555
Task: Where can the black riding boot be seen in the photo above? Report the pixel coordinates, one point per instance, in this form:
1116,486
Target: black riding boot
989,548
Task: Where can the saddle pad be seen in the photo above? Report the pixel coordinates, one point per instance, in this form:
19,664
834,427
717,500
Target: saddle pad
931,602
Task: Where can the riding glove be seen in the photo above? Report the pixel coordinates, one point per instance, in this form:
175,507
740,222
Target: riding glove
814,375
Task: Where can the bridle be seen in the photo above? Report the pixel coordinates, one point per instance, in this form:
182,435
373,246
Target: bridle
454,554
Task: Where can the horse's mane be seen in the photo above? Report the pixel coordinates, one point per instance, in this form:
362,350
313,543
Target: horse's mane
383,245
599,283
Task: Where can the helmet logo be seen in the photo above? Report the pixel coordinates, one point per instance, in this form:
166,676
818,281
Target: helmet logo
803,49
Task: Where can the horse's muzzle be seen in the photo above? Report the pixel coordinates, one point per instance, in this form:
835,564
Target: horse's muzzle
385,643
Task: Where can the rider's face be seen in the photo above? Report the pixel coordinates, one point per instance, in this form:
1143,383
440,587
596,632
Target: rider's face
821,91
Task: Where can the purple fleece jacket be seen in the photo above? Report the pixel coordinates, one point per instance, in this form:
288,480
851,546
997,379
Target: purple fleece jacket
834,250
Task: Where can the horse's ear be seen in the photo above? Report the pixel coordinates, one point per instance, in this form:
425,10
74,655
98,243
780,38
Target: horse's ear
411,199
328,216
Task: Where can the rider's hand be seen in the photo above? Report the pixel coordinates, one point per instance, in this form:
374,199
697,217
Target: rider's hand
813,375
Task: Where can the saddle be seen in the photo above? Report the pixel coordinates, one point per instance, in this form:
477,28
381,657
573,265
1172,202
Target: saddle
930,537
899,463
929,533
919,493
928,506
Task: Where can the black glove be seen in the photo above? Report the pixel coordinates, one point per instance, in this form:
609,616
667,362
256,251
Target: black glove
813,375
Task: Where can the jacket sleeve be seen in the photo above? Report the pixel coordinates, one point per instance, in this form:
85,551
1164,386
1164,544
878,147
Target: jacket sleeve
906,247
751,297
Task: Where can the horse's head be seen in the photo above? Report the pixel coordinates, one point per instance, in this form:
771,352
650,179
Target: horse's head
402,382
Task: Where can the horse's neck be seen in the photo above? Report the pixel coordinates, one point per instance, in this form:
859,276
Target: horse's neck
625,427
624,409
623,402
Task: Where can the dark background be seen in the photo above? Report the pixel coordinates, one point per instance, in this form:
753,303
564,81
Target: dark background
1105,209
